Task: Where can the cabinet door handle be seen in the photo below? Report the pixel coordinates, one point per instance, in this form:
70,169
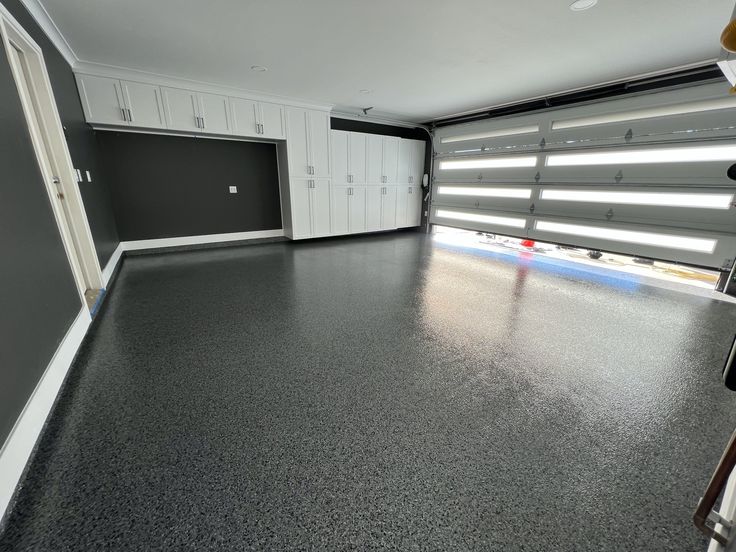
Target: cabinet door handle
203,123
196,121
122,110
130,115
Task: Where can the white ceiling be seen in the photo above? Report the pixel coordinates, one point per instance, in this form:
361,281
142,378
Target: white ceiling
422,58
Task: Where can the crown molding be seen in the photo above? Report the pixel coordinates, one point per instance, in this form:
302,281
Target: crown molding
125,73
43,19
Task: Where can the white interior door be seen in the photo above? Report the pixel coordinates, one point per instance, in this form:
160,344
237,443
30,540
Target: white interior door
181,109
49,143
102,100
215,113
144,103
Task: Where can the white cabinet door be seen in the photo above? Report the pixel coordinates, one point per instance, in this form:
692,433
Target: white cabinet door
340,157
320,207
406,148
402,206
414,206
144,103
102,100
357,209
301,213
388,208
357,164
417,162
297,141
340,209
181,109
245,117
374,159
272,121
390,159
373,199
319,142
214,111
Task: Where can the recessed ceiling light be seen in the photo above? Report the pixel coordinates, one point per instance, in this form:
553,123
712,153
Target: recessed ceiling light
365,91
258,68
582,5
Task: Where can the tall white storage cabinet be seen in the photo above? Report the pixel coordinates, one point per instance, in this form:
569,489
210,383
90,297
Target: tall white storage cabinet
408,189
306,187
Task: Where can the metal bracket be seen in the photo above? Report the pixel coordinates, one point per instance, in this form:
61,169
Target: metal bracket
609,214
629,135
543,143
619,176
532,208
537,177
480,176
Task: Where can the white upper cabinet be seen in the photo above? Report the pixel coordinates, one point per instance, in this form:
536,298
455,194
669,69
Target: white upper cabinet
251,118
308,142
144,104
416,172
390,159
340,157
348,157
181,109
406,148
319,142
214,113
245,117
374,159
115,102
196,112
357,151
102,100
272,120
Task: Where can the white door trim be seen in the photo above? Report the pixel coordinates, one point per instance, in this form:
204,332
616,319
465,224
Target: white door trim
48,136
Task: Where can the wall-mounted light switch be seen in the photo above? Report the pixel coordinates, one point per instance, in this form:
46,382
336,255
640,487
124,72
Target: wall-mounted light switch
89,176
233,189
79,175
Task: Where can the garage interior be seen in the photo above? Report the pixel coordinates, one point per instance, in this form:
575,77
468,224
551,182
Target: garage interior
397,297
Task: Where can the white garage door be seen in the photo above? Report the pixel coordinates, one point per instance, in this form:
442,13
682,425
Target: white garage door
643,175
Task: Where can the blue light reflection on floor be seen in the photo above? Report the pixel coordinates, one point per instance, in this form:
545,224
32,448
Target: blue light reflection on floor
560,267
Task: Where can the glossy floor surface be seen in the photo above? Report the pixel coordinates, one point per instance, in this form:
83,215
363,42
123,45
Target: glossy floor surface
381,393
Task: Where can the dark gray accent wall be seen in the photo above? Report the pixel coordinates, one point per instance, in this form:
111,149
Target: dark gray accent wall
171,186
79,136
38,296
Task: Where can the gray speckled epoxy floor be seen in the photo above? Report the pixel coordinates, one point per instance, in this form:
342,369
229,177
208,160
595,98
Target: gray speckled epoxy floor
380,393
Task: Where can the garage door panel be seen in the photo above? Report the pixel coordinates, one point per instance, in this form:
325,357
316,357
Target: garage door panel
657,165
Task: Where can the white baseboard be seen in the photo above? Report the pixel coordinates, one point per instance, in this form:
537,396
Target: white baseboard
19,445
197,240
22,439
111,265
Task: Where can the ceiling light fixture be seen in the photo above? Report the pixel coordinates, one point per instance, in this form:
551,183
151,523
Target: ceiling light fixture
582,5
258,68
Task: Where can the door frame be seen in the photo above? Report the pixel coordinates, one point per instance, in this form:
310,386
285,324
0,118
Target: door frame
72,221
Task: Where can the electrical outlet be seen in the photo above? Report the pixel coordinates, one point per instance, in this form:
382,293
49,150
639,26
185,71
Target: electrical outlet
233,189
89,176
